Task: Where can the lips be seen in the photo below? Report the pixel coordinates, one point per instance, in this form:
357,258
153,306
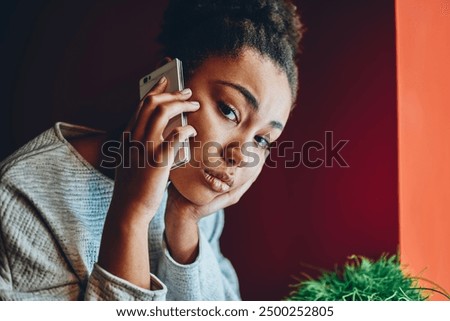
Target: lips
218,181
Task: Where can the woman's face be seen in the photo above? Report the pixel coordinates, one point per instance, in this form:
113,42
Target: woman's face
244,105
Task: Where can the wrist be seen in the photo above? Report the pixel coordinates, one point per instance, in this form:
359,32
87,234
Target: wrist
125,213
181,237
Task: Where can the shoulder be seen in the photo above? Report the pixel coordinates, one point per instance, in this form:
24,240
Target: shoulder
30,155
44,180
48,163
26,170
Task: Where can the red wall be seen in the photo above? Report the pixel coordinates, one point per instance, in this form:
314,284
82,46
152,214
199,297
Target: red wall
76,62
320,216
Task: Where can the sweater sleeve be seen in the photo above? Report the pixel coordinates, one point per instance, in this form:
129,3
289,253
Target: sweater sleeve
31,264
33,267
104,286
210,277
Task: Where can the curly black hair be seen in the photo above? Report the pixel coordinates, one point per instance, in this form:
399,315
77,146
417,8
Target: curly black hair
194,30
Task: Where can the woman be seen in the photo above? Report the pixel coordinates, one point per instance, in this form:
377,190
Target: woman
71,229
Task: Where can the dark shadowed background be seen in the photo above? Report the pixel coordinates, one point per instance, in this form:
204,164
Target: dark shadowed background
81,62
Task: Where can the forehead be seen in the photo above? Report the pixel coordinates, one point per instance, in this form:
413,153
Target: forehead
259,75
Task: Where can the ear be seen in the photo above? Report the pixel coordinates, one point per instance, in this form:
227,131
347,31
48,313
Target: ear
163,61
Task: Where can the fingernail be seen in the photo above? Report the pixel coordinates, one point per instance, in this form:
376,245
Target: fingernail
162,80
186,91
195,103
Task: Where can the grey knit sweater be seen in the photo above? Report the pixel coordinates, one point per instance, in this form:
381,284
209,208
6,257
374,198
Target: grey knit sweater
52,210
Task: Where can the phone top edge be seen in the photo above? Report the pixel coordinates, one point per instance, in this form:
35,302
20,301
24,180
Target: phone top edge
163,69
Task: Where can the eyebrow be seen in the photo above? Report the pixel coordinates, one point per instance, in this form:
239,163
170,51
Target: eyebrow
276,124
250,99
244,91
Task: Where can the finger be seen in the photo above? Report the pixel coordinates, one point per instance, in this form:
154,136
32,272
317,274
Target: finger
159,88
162,114
154,102
173,143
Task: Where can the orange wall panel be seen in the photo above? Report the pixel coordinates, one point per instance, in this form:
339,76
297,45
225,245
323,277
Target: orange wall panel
423,67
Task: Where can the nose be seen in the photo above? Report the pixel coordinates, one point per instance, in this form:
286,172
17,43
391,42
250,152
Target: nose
234,155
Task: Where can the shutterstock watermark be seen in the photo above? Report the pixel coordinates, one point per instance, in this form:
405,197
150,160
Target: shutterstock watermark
288,154
312,153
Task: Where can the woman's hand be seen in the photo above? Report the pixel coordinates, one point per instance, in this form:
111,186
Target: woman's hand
182,216
140,182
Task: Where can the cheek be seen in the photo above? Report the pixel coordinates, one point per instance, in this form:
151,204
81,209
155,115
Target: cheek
256,157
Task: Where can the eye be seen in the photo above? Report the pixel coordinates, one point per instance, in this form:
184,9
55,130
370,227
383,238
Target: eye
262,142
228,111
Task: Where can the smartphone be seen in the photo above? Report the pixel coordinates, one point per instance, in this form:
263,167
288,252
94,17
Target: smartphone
173,71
